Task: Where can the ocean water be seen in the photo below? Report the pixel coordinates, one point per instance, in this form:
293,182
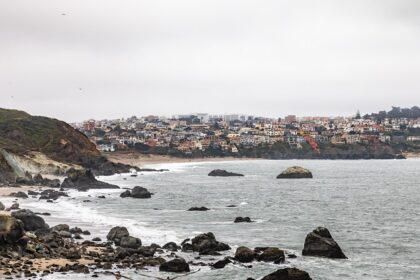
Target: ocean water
371,208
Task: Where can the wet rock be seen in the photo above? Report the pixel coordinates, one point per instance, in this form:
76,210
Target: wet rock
140,192
84,180
244,255
206,244
176,265
198,209
222,263
243,220
11,229
320,243
61,227
224,173
15,206
171,246
32,193
52,194
295,172
19,195
2,207
272,254
288,274
136,192
130,242
31,221
117,233
96,239
65,234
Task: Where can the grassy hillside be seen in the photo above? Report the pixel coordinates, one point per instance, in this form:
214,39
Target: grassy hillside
21,132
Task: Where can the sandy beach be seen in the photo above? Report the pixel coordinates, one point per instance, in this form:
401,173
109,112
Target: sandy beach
141,160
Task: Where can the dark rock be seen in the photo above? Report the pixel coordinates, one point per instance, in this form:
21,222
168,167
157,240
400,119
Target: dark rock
244,255
52,194
171,246
130,242
11,229
31,221
96,239
206,244
140,192
176,265
295,172
2,207
117,233
64,234
61,227
224,173
243,220
73,254
321,244
19,195
198,209
222,263
288,274
15,206
125,194
32,193
84,180
231,206
272,254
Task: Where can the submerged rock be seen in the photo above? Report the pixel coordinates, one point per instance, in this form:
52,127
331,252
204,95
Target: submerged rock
176,265
320,243
198,209
243,220
288,274
137,192
272,254
224,173
295,172
222,263
83,180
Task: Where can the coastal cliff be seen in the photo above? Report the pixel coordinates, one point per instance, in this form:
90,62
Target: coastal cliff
39,144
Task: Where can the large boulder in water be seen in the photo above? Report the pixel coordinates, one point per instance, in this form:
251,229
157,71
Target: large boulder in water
117,233
140,192
176,265
244,255
31,221
206,244
320,243
130,242
11,229
84,180
295,172
288,274
224,173
2,207
272,254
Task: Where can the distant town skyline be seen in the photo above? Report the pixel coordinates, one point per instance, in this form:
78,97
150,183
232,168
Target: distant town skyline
81,59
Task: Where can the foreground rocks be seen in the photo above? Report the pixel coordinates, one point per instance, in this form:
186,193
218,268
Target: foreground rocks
224,173
205,244
137,192
31,221
288,274
11,229
84,180
320,243
295,172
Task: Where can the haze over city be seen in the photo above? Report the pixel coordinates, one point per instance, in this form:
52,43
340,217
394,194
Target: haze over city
110,59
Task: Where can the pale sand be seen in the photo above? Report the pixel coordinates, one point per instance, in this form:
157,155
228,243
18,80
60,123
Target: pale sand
141,160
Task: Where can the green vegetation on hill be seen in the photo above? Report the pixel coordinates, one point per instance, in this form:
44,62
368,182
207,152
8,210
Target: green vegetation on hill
21,132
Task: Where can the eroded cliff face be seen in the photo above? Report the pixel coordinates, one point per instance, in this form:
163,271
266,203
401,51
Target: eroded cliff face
44,145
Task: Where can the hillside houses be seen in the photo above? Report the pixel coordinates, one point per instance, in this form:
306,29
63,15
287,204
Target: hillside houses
202,132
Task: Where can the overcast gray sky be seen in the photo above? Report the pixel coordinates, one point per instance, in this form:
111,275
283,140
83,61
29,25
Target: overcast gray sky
80,59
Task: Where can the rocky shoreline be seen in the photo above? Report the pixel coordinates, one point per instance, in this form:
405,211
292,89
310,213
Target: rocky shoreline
29,247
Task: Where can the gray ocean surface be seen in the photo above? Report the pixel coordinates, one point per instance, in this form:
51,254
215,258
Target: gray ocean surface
370,207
